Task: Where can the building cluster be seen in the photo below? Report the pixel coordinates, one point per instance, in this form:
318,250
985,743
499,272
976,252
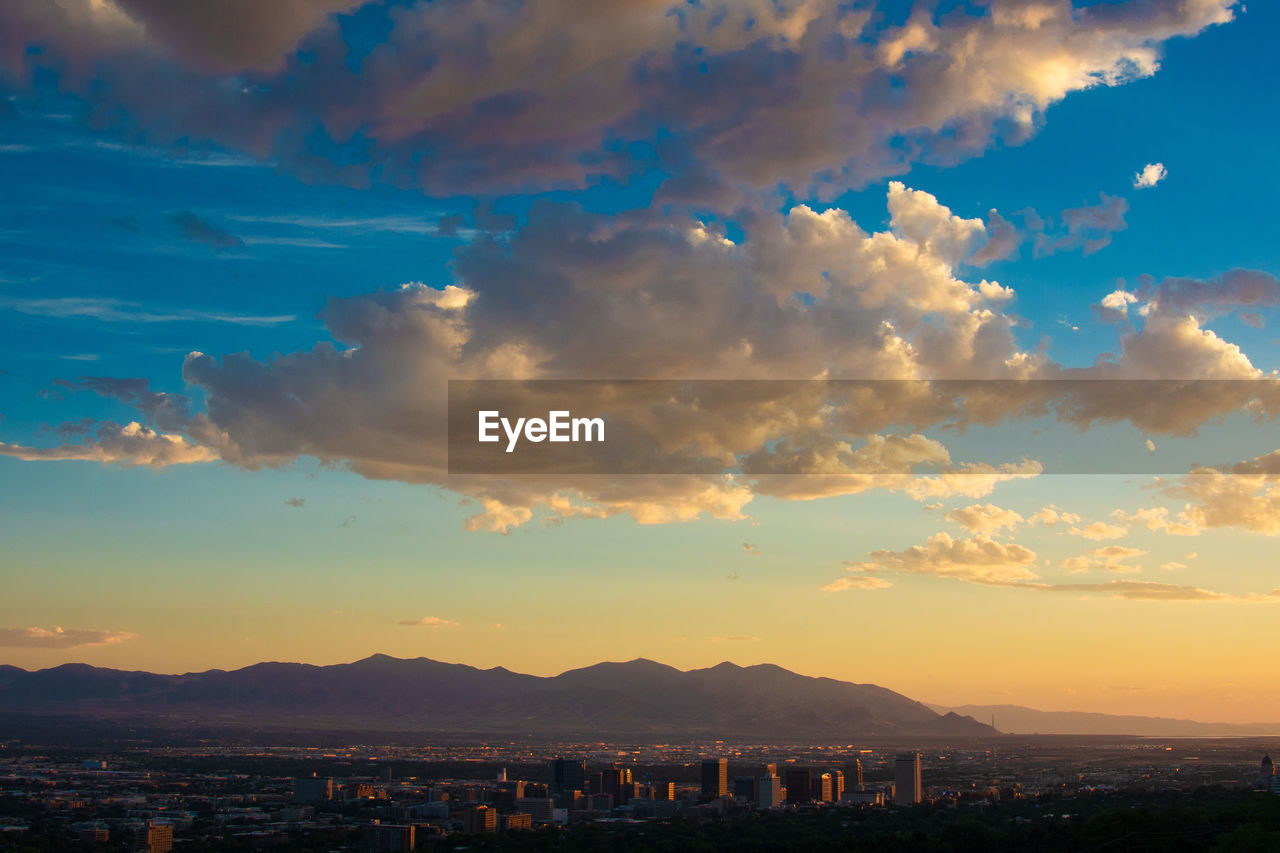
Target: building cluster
148,805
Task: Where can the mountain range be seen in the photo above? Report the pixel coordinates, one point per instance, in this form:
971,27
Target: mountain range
1015,719
639,699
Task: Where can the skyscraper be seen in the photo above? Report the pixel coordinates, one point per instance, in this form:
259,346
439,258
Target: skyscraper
907,787
715,778
853,774
798,782
770,788
564,774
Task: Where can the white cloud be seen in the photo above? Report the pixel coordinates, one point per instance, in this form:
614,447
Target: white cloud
1151,174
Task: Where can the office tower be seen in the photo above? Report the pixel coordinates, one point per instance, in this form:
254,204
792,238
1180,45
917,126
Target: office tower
312,791
853,774
153,837
799,782
907,788
663,790
821,788
837,786
744,787
770,788
715,778
564,774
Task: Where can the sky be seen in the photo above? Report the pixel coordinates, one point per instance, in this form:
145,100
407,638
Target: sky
244,247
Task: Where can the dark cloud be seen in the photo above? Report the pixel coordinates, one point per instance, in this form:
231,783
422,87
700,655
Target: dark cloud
495,96
195,229
163,410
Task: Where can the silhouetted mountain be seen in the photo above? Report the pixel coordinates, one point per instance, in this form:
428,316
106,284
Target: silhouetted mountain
637,698
1016,719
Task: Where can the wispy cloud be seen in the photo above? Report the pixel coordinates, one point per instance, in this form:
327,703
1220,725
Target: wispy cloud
429,622
61,638
733,639
197,230
110,310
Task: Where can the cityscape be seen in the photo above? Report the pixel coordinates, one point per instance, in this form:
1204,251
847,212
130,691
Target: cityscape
365,798
556,426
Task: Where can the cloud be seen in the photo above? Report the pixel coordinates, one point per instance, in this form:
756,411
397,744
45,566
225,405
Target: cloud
664,296
984,519
197,230
1248,497
1112,558
1098,530
429,622
733,639
862,582
986,563
109,310
712,93
1089,227
1150,591
296,503
752,549
128,445
1151,174
1051,515
60,638
977,560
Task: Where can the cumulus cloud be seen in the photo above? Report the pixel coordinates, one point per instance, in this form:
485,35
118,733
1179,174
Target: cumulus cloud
1051,515
128,445
61,638
536,94
984,519
429,622
1112,558
981,561
1098,530
1150,175
978,560
658,296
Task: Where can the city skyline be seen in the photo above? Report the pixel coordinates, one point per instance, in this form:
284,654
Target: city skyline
238,274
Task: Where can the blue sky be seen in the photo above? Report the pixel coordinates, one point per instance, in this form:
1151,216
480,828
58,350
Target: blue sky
141,224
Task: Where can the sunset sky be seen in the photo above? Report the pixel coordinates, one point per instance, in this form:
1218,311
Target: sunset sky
244,246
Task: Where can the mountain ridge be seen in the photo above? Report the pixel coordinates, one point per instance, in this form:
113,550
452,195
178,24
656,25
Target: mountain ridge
639,697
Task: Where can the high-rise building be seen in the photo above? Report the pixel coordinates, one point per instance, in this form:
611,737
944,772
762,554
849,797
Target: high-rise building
907,787
821,788
153,837
837,786
312,790
744,787
715,778
564,774
799,782
853,774
770,788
